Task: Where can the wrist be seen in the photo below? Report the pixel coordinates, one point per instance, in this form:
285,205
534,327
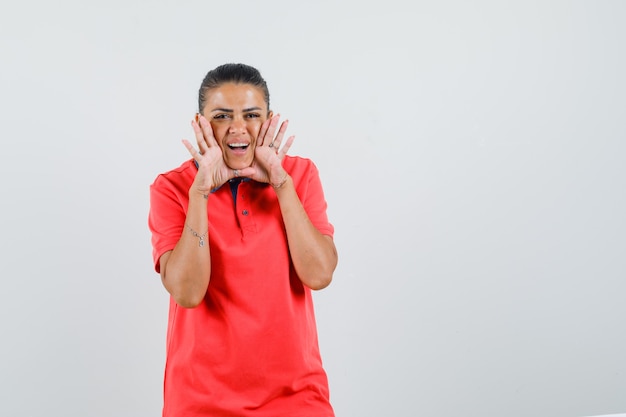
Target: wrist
280,183
195,194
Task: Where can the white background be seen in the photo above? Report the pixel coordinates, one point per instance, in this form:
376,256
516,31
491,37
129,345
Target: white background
472,155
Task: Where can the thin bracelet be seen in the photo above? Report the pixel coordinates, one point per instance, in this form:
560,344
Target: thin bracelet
193,232
280,184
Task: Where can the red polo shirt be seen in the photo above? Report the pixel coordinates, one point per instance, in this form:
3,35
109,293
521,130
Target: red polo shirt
250,349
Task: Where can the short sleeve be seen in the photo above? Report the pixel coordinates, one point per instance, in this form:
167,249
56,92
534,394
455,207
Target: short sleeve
312,196
166,220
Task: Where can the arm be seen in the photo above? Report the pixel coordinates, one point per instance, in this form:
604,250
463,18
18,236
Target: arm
186,270
313,254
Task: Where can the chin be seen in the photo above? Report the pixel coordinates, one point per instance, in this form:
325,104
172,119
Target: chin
239,164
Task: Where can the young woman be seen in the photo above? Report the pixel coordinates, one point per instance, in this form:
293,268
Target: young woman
240,237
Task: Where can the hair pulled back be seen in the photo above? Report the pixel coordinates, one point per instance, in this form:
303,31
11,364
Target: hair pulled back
232,73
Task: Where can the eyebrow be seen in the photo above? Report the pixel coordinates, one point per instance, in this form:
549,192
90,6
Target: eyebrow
231,110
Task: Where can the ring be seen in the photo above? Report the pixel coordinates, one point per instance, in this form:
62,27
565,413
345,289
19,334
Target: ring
271,144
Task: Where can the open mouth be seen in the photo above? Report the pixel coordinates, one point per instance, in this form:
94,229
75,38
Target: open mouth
238,147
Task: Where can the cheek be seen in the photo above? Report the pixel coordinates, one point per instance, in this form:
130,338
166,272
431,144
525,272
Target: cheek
219,131
254,128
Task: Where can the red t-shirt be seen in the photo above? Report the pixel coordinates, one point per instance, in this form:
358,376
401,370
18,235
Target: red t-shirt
250,349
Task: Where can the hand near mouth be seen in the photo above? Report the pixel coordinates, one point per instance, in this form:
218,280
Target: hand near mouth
212,171
268,154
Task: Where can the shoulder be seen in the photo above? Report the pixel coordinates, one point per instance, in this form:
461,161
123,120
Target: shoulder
305,176
180,176
299,167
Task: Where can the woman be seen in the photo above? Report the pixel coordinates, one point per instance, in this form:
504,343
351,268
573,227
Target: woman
240,237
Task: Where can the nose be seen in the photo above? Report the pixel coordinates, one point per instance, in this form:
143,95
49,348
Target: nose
237,126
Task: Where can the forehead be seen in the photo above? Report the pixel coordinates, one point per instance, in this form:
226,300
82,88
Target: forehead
235,96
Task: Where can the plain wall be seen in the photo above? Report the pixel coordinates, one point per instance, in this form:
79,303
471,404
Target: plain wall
473,158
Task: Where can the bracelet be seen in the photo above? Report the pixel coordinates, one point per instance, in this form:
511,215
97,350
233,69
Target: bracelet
280,184
193,232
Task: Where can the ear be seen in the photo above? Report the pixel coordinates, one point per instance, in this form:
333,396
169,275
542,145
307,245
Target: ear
270,114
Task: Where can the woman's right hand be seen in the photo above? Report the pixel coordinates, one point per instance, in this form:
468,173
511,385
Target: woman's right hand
212,171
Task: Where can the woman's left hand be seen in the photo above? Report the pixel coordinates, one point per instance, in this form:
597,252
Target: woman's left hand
268,154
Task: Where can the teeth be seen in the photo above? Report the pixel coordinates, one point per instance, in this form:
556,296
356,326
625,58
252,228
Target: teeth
237,145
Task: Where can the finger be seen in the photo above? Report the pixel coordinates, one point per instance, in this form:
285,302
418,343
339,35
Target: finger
247,172
272,128
207,129
192,151
202,143
281,133
285,148
262,132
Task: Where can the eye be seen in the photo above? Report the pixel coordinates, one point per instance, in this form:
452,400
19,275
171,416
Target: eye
252,115
221,116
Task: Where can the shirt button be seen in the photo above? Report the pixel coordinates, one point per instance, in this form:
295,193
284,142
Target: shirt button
244,212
